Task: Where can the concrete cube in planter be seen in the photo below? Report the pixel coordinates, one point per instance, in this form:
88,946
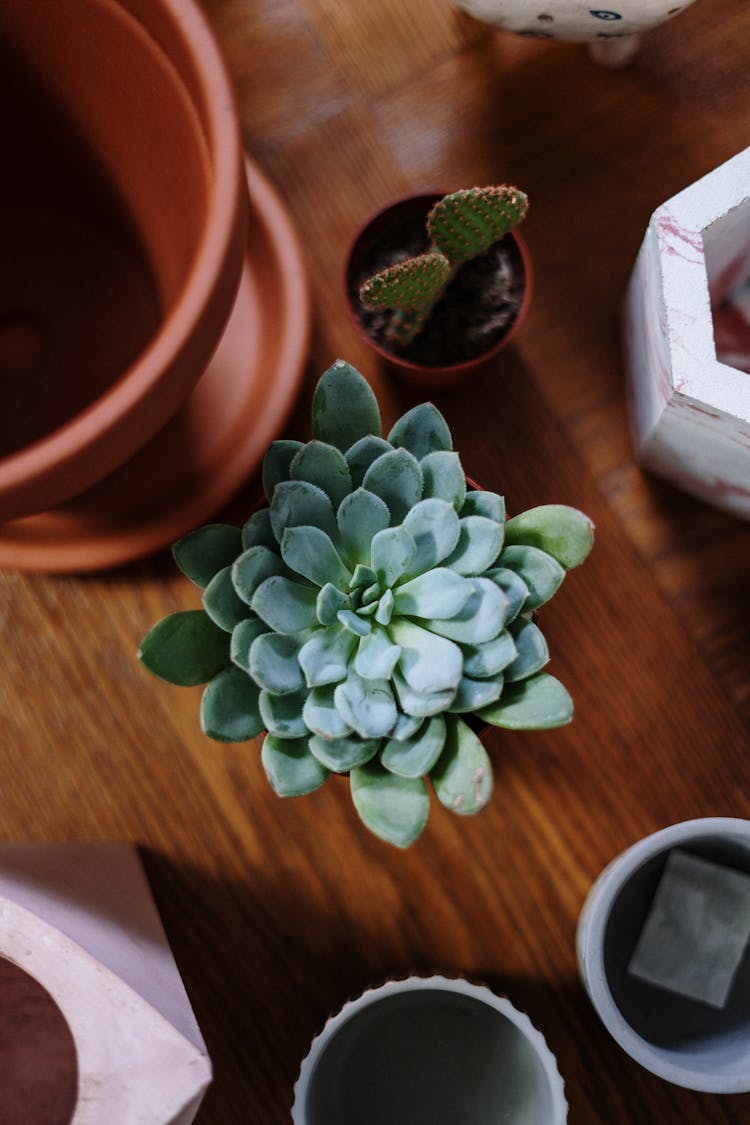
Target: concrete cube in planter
95,1024
688,339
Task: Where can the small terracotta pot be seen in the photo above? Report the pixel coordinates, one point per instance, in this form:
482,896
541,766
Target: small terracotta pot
123,227
417,375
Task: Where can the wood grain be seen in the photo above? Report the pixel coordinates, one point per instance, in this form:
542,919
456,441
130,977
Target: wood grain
279,910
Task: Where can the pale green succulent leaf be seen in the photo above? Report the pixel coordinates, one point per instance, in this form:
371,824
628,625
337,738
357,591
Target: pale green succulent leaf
371,594
343,754
276,462
487,504
415,756
560,531
462,777
359,519
292,770
329,602
297,503
392,552
420,704
344,408
480,542
422,430
309,551
368,706
489,658
204,552
540,573
437,593
428,663
532,651
515,589
274,662
406,726
253,567
538,703
286,606
377,656
362,454
444,478
397,479
282,714
354,622
384,612
364,576
324,658
222,603
481,618
243,636
393,808
322,716
325,466
258,532
435,528
185,648
229,710
471,695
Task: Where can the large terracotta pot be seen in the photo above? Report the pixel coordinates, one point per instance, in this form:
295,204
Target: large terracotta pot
122,233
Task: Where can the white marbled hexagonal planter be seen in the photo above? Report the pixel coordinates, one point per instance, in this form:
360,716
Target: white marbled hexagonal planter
687,339
95,1026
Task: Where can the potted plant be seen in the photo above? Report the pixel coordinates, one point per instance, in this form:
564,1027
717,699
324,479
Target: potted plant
437,286
371,612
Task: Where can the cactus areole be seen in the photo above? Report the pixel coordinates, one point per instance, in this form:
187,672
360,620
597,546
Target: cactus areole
444,290
375,604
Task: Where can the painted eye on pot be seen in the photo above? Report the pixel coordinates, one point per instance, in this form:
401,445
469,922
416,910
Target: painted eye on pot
603,14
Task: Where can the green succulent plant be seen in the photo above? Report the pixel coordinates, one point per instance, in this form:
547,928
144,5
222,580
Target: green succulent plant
369,610
460,226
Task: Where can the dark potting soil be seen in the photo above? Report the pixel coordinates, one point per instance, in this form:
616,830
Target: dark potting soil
476,310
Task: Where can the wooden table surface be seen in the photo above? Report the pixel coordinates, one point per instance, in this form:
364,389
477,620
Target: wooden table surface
280,910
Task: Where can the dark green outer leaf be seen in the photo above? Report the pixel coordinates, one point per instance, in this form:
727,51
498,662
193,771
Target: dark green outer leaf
291,769
344,408
222,603
185,648
463,775
204,552
229,707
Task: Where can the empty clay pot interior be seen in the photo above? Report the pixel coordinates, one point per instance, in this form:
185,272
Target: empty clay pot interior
38,1067
104,188
429,1057
687,1033
726,245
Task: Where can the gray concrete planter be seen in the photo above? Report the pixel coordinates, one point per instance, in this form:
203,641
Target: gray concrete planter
685,1042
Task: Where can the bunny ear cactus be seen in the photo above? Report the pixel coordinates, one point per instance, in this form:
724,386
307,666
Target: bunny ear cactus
374,604
460,227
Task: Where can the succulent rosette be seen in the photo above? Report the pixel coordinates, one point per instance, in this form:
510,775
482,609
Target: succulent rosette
369,610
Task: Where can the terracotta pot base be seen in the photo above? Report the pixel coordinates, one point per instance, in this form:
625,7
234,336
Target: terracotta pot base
200,459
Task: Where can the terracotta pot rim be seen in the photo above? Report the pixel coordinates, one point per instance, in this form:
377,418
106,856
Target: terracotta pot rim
452,371
219,243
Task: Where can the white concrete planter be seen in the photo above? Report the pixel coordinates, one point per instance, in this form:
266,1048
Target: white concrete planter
685,1042
690,408
89,972
430,1051
611,28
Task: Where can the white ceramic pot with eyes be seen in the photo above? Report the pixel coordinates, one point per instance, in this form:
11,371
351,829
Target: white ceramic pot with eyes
612,29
